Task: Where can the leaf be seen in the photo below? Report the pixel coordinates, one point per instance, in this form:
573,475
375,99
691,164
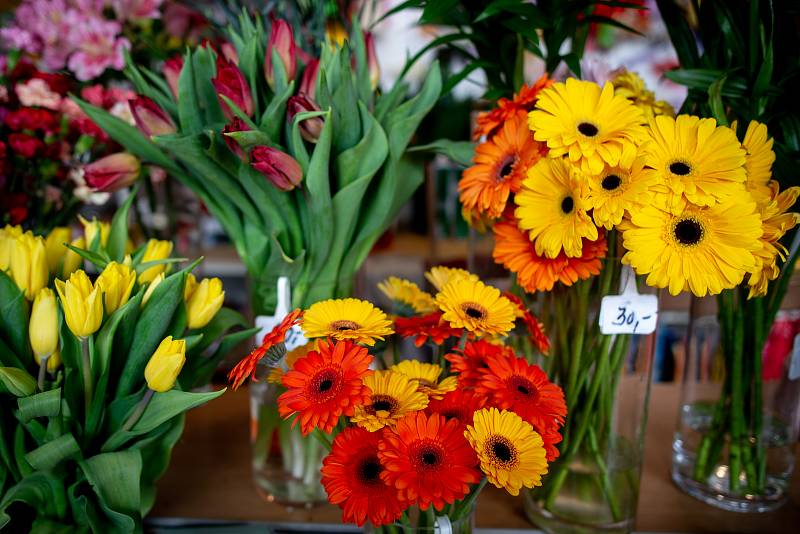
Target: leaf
14,319
156,454
99,260
53,452
680,33
115,478
201,369
273,118
460,152
118,234
43,492
715,101
17,381
45,404
437,11
223,321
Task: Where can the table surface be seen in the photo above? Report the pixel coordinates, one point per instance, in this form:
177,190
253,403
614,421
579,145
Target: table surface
209,478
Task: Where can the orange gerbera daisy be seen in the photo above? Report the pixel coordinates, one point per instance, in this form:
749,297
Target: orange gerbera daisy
247,366
425,327
514,250
460,404
326,384
351,475
551,438
428,460
473,362
500,166
535,328
524,101
523,388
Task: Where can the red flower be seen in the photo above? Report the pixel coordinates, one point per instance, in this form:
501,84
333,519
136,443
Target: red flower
172,73
112,172
311,128
150,118
473,362
281,41
460,404
247,366
326,384
428,460
308,83
31,119
488,123
535,328
425,327
58,83
230,82
551,437
351,475
24,145
281,169
236,125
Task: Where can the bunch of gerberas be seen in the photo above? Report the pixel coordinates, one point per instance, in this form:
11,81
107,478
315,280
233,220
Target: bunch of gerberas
412,434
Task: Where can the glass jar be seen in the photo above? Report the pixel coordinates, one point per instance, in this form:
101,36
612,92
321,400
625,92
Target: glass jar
427,523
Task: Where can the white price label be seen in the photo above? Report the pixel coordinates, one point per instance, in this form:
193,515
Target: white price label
294,337
630,312
794,366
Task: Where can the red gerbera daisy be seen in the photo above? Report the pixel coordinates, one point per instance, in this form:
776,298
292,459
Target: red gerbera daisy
247,366
516,385
351,475
551,437
460,404
488,123
535,328
428,460
424,327
472,363
325,384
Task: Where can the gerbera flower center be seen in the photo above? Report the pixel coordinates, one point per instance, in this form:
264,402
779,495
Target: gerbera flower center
501,451
369,471
523,387
588,129
611,182
344,325
506,167
688,232
382,403
567,205
474,310
428,455
681,168
325,385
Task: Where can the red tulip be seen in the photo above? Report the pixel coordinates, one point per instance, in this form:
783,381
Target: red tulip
236,125
150,119
308,84
112,172
25,145
372,60
281,39
172,72
230,82
278,167
311,128
230,53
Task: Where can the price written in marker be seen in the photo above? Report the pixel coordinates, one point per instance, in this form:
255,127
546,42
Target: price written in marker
628,314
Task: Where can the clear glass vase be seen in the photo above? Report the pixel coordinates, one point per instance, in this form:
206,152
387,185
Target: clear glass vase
430,523
744,426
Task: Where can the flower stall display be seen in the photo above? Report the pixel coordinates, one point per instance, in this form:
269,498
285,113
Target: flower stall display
96,374
409,445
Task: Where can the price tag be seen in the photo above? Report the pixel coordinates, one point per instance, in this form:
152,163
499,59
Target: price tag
794,366
294,337
629,312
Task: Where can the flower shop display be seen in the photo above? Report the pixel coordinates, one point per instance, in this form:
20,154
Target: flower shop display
95,375
409,446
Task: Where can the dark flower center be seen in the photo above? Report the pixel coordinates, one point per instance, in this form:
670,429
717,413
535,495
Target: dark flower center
343,326
505,170
688,232
588,129
474,310
428,454
567,205
382,403
523,386
369,471
326,384
501,450
611,182
680,168
452,413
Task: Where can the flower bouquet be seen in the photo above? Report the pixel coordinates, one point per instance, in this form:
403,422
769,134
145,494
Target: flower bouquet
409,446
95,377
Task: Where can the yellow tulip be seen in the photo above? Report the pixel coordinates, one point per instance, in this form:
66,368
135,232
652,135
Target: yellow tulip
29,264
152,287
165,364
8,235
205,302
94,227
72,260
54,245
189,287
53,361
43,328
116,282
155,250
82,303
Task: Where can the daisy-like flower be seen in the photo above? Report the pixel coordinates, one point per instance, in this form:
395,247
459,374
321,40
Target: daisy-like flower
704,250
552,206
759,157
354,319
588,124
510,452
473,362
408,294
695,160
514,384
275,375
351,476
325,384
392,396
489,123
428,461
271,344
460,404
499,167
631,86
427,376
425,327
440,276
551,438
535,328
479,308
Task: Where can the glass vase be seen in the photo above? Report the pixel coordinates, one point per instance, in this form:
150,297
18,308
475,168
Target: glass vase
740,406
426,523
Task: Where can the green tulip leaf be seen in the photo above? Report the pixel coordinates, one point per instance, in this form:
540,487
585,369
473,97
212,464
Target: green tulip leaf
115,478
43,492
45,404
17,381
14,319
118,234
460,152
53,452
200,369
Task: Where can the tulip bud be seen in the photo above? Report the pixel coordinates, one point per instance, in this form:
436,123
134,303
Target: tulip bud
189,287
205,302
94,228
150,119
53,361
165,364
372,60
281,40
72,260
54,246
29,264
112,173
236,125
172,72
278,167
82,303
335,33
8,235
152,287
311,128
155,250
230,82
43,328
229,52
116,282
308,83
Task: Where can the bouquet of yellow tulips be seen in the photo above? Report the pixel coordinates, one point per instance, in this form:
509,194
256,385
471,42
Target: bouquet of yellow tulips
95,375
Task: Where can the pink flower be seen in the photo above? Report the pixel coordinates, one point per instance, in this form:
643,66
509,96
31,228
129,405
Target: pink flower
281,169
281,40
150,119
36,92
230,53
236,125
172,72
112,173
183,22
97,47
230,82
308,84
311,128
372,60
136,9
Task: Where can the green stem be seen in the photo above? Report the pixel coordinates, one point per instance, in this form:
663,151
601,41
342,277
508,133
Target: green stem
86,368
464,507
758,347
42,372
577,343
737,401
462,341
606,485
138,411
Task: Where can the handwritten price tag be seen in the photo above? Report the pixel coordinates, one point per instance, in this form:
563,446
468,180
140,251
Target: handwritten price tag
630,312
294,337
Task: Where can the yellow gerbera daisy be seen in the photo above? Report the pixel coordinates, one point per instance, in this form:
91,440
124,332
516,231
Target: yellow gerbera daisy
590,125
479,308
511,453
775,223
346,319
619,189
393,396
758,160
408,293
631,86
702,249
552,206
440,276
695,160
427,377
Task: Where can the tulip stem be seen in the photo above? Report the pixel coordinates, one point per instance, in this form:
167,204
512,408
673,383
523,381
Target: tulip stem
88,385
138,411
42,372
